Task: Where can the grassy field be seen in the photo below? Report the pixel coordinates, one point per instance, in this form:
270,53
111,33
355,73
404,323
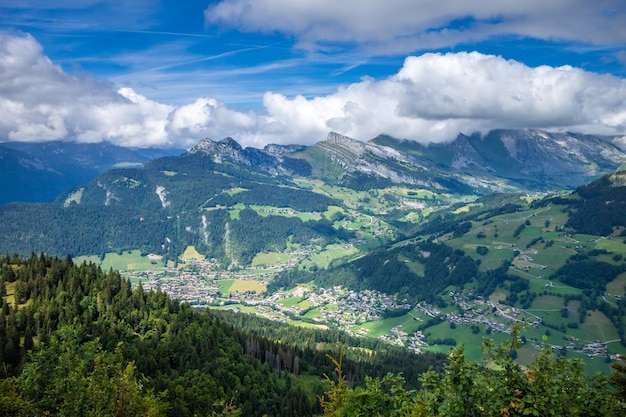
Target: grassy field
407,322
313,313
227,286
464,336
289,301
296,301
539,285
617,286
224,285
323,258
270,258
596,327
191,253
10,293
125,261
307,324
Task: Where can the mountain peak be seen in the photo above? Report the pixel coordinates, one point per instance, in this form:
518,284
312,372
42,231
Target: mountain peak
230,142
339,138
209,146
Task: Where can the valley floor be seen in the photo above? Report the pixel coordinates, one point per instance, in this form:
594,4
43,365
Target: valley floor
465,319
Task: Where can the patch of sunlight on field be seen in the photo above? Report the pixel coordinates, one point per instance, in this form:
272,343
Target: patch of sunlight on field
242,286
168,173
191,253
323,258
307,324
10,291
75,197
617,286
271,258
466,208
125,261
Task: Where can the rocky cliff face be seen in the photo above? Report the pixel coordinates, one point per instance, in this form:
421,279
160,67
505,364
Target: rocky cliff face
521,159
534,159
561,159
226,149
356,157
270,159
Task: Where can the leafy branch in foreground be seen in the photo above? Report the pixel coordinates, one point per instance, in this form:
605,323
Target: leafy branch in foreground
549,386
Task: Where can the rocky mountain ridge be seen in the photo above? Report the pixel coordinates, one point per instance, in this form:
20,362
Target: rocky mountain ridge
525,160
270,159
502,160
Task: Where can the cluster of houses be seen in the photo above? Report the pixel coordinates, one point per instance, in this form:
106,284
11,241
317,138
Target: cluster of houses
198,284
345,308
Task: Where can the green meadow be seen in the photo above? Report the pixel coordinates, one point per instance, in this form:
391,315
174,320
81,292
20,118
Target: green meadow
125,261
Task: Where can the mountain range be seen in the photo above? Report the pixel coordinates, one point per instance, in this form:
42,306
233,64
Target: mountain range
38,172
207,196
514,225
502,160
530,160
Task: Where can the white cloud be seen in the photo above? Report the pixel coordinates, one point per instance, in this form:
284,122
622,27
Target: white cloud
432,97
395,26
208,115
41,102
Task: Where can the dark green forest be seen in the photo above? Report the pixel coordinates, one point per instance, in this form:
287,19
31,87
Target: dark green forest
79,341
389,271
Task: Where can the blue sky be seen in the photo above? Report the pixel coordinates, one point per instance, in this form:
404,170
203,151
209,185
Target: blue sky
168,73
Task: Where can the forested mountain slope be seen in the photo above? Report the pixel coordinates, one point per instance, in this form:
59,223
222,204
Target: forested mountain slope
73,336
40,171
289,196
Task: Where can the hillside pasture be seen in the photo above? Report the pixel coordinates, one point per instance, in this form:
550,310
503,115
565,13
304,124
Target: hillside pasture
558,288
125,261
463,335
324,257
266,211
381,327
314,313
270,258
613,245
596,327
547,303
10,293
191,253
306,324
617,286
289,301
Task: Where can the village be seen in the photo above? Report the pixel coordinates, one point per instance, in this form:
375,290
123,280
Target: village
203,284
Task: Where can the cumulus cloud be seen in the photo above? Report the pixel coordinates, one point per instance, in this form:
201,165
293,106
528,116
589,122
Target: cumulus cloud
39,101
431,98
209,115
434,97
394,26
